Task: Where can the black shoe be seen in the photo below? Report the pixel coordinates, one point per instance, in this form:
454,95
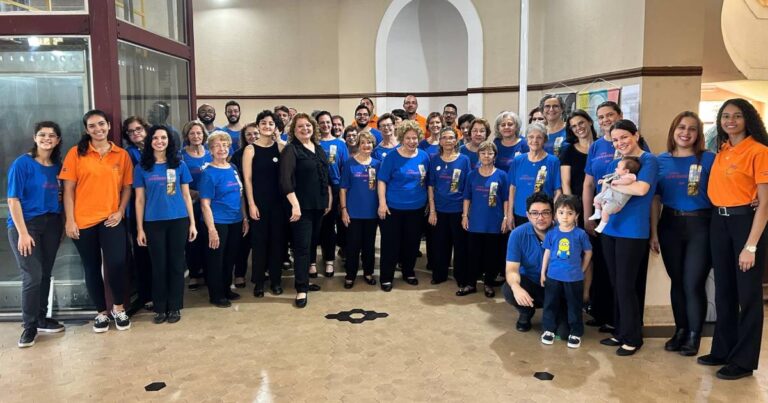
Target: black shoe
606,329
276,290
314,287
411,280
193,287
370,280
223,303
489,293
419,254
233,296
436,282
386,287
240,285
691,345
732,372
710,360
174,316
28,337
610,342
258,292
301,302
159,318
625,352
466,291
313,275
676,341
50,326
523,326
349,284
327,273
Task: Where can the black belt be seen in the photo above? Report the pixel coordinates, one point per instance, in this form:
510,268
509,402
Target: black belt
694,213
737,210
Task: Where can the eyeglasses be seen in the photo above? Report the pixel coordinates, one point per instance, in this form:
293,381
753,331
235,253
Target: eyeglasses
135,131
551,106
537,119
387,125
542,214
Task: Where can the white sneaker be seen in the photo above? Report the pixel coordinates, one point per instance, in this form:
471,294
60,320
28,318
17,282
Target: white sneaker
574,341
122,321
101,323
548,337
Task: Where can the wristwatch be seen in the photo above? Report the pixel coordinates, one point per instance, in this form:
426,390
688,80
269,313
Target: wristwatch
750,248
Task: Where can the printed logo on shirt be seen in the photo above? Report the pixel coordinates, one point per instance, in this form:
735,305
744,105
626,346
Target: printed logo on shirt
170,182
563,249
541,177
332,152
371,177
558,144
493,190
423,174
694,177
455,180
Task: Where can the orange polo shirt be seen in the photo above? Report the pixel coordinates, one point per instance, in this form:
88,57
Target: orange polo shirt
422,121
99,182
373,122
736,173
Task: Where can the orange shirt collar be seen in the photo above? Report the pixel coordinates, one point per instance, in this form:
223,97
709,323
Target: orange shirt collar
111,148
744,145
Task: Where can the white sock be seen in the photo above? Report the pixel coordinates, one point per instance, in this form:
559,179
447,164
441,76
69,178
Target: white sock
601,227
597,215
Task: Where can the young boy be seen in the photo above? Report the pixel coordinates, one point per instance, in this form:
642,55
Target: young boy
562,271
610,201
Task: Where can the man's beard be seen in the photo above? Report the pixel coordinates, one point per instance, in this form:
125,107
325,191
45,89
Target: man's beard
233,119
207,121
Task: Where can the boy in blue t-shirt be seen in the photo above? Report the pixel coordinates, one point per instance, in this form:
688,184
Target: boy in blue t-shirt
562,271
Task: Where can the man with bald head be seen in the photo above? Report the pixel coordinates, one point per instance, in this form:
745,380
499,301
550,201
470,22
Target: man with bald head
207,115
411,104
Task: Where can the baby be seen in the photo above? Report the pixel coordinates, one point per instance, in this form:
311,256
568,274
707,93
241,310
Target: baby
610,201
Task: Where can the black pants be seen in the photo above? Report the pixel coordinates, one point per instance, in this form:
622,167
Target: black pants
141,265
738,294
243,251
400,237
486,256
221,260
685,251
601,296
166,240
111,241
624,259
429,243
557,293
361,241
327,239
196,250
449,238
534,289
303,233
36,268
268,239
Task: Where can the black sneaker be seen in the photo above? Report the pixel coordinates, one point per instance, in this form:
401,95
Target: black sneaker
122,321
50,326
174,316
28,337
101,323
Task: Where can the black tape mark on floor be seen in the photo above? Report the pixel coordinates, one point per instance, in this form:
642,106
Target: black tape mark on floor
346,316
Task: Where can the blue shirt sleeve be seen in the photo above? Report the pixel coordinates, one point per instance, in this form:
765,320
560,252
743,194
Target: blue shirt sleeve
206,187
385,172
138,177
186,176
504,185
549,240
648,171
514,254
556,179
17,176
344,184
469,185
584,238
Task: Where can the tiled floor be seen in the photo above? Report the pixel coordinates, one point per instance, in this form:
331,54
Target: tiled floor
433,346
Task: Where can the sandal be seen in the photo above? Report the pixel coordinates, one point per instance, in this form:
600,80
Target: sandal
327,272
311,273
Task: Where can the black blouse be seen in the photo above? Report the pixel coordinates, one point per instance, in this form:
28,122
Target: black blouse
305,173
572,157
265,177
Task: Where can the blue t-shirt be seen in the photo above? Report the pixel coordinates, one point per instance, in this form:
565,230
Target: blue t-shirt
600,154
448,179
235,135
196,166
487,195
135,154
506,155
431,149
360,182
634,219
35,185
525,247
376,134
565,250
555,142
338,154
524,175
474,157
223,187
160,204
673,180
380,152
406,180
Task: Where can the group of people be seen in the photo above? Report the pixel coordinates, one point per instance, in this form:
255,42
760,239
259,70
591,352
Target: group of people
492,203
